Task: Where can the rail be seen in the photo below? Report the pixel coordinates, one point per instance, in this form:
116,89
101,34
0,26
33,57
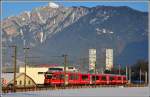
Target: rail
39,88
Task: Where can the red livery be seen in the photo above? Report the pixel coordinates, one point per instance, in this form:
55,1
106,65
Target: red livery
72,78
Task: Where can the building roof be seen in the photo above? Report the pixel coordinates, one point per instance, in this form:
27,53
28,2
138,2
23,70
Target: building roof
9,76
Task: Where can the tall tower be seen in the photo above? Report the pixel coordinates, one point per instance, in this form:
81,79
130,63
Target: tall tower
109,59
92,59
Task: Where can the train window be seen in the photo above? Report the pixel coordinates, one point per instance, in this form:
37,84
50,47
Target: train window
48,76
103,77
62,76
70,67
93,78
73,77
124,78
84,77
77,77
58,76
119,78
54,77
111,78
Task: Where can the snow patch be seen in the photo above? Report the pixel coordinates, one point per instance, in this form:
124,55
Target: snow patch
23,19
40,17
93,20
21,32
41,37
105,18
105,12
97,29
53,5
111,32
32,44
104,30
99,33
54,21
72,17
28,13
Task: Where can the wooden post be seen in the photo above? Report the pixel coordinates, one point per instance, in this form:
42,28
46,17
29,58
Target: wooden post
119,68
140,76
127,72
146,78
25,62
130,71
95,74
65,63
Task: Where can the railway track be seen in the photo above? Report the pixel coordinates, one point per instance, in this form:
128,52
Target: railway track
42,87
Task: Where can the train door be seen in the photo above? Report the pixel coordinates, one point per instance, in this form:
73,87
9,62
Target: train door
122,79
107,78
66,79
91,79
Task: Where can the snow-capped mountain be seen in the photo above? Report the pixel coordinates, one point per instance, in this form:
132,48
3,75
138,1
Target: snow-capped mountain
54,30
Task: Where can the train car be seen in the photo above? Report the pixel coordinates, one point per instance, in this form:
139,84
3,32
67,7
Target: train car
54,78
95,79
84,79
112,79
72,78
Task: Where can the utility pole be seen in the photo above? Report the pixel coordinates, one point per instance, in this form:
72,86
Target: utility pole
25,63
65,63
119,68
146,77
140,75
127,72
15,62
95,73
130,71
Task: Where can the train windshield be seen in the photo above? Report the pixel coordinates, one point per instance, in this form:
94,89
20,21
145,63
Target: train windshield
48,75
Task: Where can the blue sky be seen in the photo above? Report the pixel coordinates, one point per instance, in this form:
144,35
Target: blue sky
14,8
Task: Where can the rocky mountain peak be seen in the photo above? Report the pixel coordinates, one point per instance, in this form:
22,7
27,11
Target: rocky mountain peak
53,29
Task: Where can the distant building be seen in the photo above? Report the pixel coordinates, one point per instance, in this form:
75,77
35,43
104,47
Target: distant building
109,59
8,80
92,59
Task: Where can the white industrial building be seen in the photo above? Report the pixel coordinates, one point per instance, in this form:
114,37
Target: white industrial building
37,73
109,59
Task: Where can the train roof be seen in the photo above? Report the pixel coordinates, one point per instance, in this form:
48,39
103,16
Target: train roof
86,73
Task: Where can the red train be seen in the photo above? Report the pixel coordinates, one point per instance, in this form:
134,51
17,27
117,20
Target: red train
57,78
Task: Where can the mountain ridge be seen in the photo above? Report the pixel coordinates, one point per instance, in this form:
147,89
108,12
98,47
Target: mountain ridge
73,30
